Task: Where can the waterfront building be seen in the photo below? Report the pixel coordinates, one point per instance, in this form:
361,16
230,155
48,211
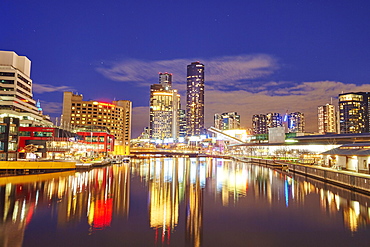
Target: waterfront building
326,119
227,121
16,91
195,99
115,116
9,130
97,141
164,110
56,143
353,112
353,157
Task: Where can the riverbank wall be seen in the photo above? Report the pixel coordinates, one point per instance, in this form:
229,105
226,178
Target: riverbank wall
27,167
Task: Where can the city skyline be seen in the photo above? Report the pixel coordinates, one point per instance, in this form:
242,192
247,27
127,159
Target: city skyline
292,56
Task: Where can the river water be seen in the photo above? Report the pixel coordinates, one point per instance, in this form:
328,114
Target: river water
180,202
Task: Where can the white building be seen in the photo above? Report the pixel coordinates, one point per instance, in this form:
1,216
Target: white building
16,98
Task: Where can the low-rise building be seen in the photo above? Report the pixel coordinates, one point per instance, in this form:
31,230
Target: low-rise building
55,143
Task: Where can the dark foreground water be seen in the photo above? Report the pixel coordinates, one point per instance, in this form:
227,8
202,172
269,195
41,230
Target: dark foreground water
180,202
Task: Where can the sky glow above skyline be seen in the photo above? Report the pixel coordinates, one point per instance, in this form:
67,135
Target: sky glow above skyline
259,56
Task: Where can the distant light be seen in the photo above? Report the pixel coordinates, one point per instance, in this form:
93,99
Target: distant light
194,138
290,140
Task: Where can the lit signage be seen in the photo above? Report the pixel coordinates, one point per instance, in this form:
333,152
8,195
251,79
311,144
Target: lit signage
103,104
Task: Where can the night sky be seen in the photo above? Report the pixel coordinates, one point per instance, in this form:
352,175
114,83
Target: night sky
259,56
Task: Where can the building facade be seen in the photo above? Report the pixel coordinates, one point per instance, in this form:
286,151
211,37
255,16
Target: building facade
274,120
182,123
259,124
295,122
165,79
227,121
195,99
16,97
55,143
353,112
9,133
164,110
262,122
115,116
326,117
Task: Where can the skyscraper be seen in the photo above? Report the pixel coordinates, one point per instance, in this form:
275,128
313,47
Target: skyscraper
165,79
353,112
195,99
16,91
326,119
164,109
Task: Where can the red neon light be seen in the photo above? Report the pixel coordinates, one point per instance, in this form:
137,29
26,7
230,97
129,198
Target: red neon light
106,104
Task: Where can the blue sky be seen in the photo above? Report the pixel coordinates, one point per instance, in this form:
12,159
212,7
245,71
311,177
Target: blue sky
260,56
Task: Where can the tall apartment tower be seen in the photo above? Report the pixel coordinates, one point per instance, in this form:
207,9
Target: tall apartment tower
227,121
296,122
164,109
16,97
274,120
326,119
195,99
353,112
261,123
115,116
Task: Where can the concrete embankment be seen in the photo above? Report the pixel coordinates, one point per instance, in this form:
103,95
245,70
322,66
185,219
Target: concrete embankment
22,167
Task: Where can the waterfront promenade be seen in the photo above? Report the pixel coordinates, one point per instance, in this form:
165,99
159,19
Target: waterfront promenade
351,180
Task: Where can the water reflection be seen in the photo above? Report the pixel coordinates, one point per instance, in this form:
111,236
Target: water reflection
175,187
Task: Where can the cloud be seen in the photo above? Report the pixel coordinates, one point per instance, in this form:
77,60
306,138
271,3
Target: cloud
47,88
305,98
235,83
140,120
219,71
51,107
